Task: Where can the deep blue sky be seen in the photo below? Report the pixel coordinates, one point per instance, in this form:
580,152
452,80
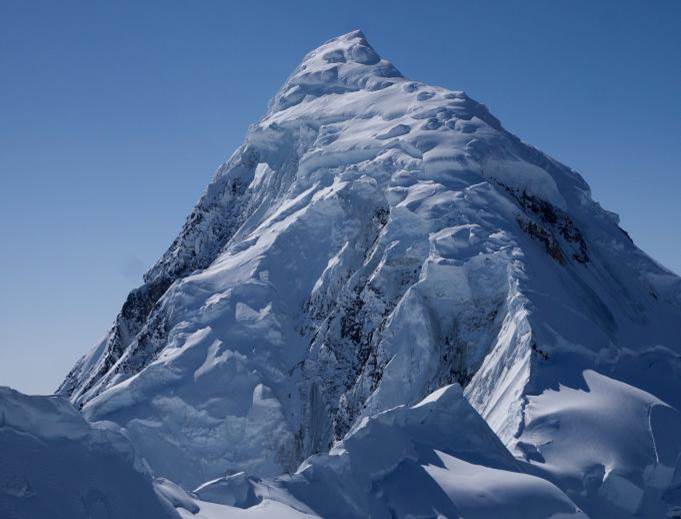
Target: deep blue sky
113,116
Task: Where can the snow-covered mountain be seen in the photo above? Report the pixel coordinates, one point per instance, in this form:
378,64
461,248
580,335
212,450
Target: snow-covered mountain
376,239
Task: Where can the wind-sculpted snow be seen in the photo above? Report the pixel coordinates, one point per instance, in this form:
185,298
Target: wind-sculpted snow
437,458
628,472
54,464
375,239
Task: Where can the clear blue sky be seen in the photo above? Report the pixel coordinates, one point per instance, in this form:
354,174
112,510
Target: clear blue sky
113,116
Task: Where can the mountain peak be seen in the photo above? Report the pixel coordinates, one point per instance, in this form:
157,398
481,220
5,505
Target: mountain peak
346,63
375,239
356,34
351,47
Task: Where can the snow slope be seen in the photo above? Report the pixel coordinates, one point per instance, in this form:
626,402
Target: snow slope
54,464
375,239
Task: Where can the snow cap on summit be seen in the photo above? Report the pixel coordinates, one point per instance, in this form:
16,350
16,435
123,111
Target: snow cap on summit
347,63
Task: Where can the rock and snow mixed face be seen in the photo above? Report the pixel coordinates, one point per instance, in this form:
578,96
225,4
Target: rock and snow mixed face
375,239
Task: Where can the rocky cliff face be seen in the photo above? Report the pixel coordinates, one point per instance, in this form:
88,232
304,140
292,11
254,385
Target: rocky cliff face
374,239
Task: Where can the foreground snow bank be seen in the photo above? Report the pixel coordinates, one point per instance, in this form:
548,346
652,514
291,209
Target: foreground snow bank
437,458
54,464
634,471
